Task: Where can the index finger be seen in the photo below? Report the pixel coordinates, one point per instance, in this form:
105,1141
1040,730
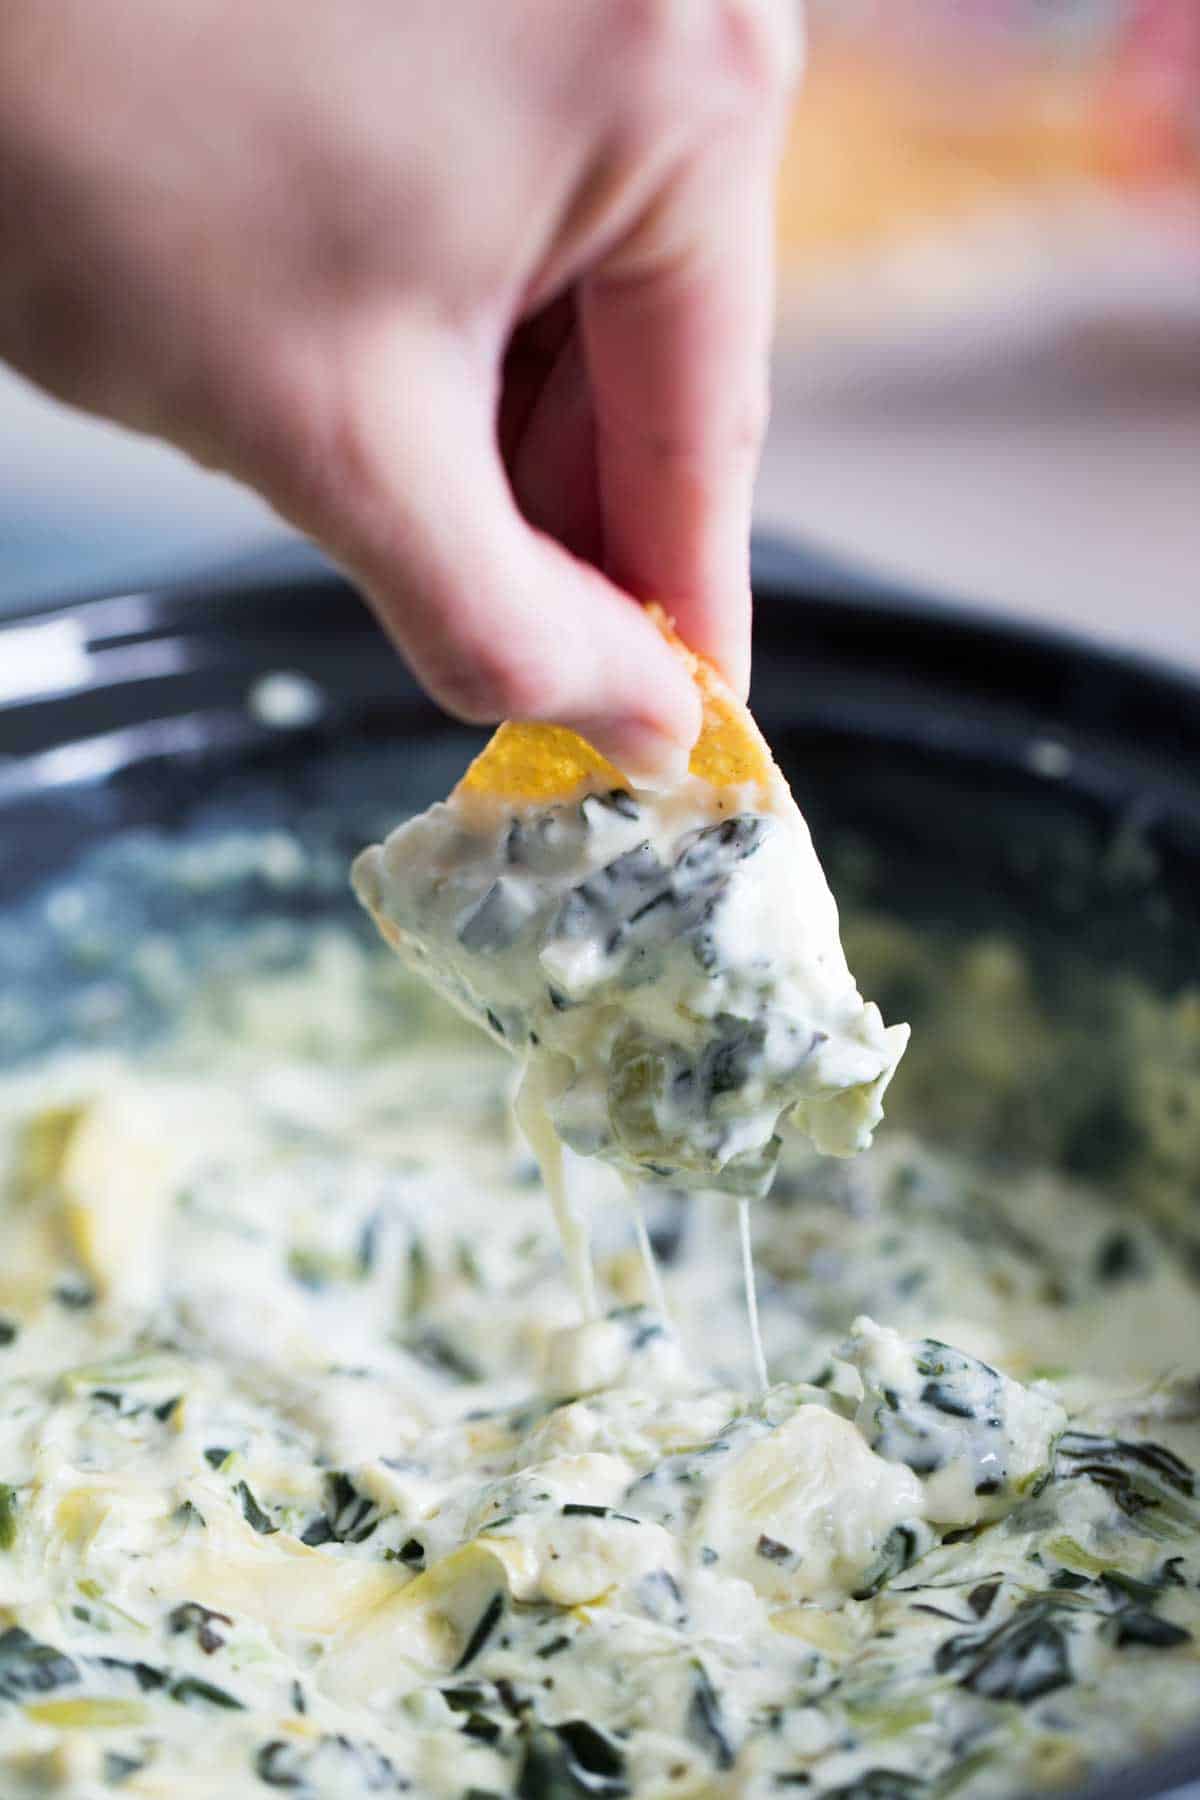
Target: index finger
677,326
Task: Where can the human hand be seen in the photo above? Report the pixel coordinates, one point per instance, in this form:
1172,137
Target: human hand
476,293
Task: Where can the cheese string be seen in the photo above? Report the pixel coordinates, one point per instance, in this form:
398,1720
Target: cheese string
658,1296
534,1120
756,1343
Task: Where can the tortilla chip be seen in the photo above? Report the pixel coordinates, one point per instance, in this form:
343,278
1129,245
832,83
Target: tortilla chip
537,762
548,763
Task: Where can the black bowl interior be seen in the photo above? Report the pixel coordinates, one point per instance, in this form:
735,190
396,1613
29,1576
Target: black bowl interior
964,777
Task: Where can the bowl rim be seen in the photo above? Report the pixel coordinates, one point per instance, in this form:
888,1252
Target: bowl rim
783,570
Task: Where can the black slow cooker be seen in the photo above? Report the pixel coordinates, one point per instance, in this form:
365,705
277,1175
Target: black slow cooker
964,773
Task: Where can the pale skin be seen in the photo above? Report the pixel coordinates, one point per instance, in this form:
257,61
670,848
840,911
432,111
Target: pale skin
476,292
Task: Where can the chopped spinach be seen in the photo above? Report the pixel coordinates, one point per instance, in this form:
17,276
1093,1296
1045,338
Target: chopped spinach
349,1517
318,1531
568,1761
327,1766
659,1592
1122,1587
617,800
75,1295
466,1696
145,1675
879,1784
914,1429
190,1689
902,1546
201,1621
498,919
1022,1659
1119,1258
980,1598
1141,1477
550,842
116,1768
30,1667
253,1513
435,1350
601,906
597,1763
706,1720
483,1631
1138,1625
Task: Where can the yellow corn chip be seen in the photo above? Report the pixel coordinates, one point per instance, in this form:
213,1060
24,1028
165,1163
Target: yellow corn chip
547,763
537,762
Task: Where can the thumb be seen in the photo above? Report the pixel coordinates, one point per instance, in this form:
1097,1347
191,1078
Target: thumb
495,620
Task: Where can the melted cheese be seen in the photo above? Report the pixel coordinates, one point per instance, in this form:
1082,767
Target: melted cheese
666,967
339,1496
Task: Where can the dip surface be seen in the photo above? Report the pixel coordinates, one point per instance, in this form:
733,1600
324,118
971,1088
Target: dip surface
311,1479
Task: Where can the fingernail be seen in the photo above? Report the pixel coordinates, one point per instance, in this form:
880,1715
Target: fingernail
736,670
646,758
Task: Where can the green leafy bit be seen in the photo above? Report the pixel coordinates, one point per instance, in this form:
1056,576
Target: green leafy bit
659,1594
595,1760
981,1598
467,1696
1021,1660
75,1294
201,1622
482,1631
253,1513
8,1516
1138,1625
706,1719
879,1784
1141,1477
144,1675
117,1768
572,1760
190,1690
349,1517
435,1351
901,1548
328,1766
955,1408
30,1667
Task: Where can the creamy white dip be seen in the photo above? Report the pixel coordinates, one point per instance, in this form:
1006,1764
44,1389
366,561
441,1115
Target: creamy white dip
667,966
313,1481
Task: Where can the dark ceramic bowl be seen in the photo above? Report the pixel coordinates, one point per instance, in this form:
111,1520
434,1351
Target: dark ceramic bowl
962,774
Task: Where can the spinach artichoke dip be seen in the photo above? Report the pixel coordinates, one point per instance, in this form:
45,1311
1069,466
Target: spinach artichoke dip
315,1475
666,966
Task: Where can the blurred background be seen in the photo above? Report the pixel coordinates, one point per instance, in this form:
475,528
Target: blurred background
988,378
